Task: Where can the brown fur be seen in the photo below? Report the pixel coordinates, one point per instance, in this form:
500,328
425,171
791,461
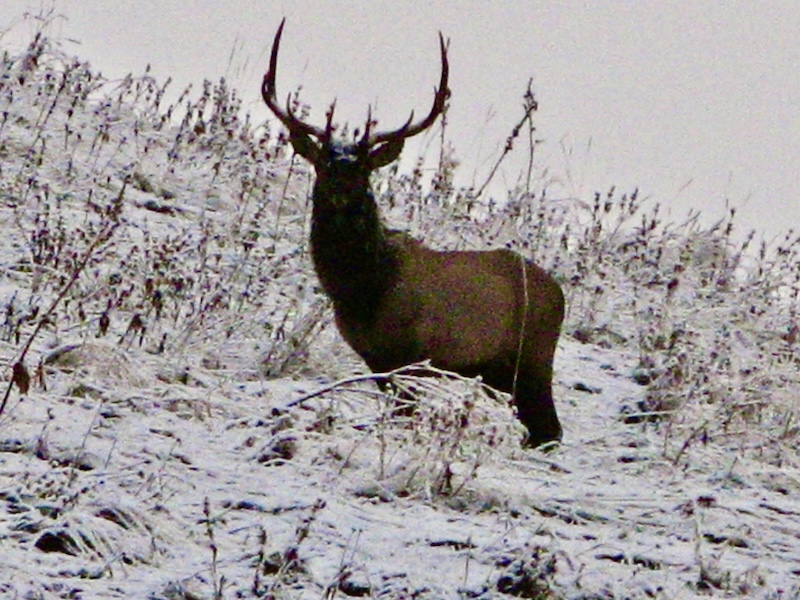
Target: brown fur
464,312
398,302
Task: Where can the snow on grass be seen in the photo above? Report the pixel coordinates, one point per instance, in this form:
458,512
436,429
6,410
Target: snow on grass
163,323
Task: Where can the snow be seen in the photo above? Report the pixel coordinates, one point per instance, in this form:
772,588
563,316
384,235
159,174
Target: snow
165,454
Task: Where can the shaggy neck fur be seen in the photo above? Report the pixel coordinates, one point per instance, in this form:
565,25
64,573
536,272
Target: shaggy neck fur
349,246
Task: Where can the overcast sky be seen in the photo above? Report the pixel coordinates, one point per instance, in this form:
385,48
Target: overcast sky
694,102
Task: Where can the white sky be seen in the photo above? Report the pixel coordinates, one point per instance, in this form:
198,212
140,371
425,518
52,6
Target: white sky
693,102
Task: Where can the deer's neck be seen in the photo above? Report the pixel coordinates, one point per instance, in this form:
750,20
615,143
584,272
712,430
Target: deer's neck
352,258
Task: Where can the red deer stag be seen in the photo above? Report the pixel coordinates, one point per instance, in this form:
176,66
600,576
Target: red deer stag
489,313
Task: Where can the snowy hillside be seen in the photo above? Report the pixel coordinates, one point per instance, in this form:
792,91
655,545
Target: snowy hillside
163,340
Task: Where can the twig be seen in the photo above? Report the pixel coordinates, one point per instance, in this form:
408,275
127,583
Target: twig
531,106
424,365
687,442
217,581
413,369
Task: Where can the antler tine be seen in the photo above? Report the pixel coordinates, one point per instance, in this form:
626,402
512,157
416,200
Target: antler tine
439,101
329,126
268,93
365,139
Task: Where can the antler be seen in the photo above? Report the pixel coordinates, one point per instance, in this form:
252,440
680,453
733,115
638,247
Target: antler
408,130
286,116
298,127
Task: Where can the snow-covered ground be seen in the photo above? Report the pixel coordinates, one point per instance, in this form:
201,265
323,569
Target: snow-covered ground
157,293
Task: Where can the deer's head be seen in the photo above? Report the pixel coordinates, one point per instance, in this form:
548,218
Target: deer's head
338,160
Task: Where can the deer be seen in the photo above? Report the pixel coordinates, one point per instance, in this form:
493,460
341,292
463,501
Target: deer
490,313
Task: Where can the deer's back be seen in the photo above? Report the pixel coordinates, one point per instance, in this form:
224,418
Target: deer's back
458,308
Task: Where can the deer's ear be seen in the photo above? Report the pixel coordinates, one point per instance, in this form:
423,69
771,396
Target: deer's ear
385,153
306,147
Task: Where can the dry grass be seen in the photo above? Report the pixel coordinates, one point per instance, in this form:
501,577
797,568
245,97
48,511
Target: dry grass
177,231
